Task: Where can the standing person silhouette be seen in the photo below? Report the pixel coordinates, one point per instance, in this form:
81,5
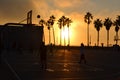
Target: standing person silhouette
0,53
82,54
1,48
43,56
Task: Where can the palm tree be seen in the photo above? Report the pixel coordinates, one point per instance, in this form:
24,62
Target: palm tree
50,24
88,19
107,24
68,21
52,18
116,24
42,23
98,25
63,18
118,20
60,26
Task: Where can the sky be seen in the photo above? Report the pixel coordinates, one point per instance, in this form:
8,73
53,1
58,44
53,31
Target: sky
16,11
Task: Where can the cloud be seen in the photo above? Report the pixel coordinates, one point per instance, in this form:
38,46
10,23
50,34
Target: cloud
14,10
40,7
66,3
57,13
45,10
62,3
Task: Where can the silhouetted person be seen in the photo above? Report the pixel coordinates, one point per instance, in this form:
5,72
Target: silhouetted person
43,56
0,50
82,54
0,53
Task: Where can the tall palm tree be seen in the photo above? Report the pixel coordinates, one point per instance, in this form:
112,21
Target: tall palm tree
63,18
88,19
52,18
98,25
68,22
116,24
60,26
42,23
107,24
118,20
50,24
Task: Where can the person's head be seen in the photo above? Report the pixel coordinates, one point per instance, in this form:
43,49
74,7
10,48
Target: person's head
82,45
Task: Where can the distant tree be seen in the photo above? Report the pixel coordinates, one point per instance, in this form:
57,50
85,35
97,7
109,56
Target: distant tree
98,25
63,18
118,20
50,24
63,21
116,24
60,27
68,22
88,19
38,16
42,23
107,24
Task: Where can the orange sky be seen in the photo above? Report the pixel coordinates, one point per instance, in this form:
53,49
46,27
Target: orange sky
15,11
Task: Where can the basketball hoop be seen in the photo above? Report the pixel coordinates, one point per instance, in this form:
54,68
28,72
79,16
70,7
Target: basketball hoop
29,17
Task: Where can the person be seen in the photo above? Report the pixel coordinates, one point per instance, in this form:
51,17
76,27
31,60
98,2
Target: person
0,54
0,51
82,54
43,56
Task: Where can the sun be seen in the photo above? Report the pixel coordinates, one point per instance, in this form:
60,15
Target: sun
65,33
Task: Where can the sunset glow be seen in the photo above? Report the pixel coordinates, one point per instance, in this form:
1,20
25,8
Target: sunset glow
73,9
65,33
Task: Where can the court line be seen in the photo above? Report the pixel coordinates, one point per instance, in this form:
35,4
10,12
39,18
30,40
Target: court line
13,71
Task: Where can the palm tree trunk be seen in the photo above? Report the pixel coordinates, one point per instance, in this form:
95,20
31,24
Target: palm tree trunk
107,38
64,40
88,35
60,36
49,38
116,37
53,35
43,36
68,37
98,39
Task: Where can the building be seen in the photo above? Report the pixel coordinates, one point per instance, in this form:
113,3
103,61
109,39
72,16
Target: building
21,36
